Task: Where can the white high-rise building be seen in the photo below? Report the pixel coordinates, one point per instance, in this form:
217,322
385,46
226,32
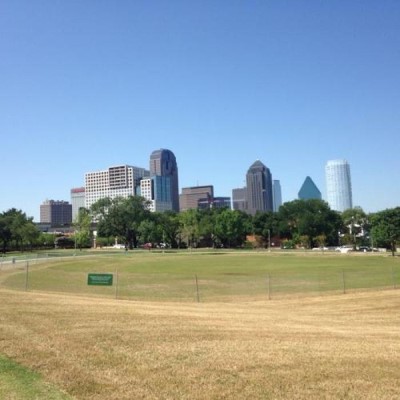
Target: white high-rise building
119,181
338,185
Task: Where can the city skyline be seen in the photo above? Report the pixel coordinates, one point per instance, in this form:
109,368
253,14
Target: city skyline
88,85
146,176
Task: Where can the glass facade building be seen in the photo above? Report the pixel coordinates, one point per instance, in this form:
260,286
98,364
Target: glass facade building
157,190
163,163
338,185
239,199
309,190
276,194
259,188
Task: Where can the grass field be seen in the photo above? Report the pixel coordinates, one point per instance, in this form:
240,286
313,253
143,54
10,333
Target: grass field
262,329
207,276
330,347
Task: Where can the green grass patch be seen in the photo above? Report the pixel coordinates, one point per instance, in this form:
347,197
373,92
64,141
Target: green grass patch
210,276
20,383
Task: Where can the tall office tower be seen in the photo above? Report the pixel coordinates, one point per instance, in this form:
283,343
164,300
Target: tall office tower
309,190
157,190
163,163
276,194
56,212
239,200
259,188
191,196
338,185
77,201
119,181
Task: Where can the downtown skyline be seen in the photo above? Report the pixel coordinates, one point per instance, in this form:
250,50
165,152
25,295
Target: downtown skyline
294,84
156,186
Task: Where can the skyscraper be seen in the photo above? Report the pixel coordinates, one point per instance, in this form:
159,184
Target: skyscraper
276,194
163,163
259,188
309,190
338,185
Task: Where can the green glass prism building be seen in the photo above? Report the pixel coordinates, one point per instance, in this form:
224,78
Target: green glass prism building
309,190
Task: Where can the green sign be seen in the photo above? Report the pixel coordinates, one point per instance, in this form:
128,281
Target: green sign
100,279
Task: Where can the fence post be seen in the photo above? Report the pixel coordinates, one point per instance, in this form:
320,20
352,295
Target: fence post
344,282
197,289
116,283
269,286
393,278
27,276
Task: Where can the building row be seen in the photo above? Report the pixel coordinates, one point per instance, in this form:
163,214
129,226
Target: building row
160,186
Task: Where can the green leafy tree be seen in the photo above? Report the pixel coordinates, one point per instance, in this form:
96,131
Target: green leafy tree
386,228
150,231
232,227
190,227
266,225
17,228
5,231
311,218
121,217
82,225
46,240
29,234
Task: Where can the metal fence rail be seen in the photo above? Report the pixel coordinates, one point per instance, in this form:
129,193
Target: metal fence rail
34,275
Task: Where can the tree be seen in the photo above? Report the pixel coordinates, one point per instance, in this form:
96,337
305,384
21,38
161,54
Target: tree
266,225
16,227
150,231
386,228
190,229
82,226
309,218
232,227
355,223
29,234
170,224
5,231
121,217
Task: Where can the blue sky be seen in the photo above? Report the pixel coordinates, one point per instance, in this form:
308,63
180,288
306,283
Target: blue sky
88,84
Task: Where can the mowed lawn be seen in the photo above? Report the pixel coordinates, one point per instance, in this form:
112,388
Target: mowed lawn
209,276
328,347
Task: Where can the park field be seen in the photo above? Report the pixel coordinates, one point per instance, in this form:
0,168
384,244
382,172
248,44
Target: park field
328,347
205,276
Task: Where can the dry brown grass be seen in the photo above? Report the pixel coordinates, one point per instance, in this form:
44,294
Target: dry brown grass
342,347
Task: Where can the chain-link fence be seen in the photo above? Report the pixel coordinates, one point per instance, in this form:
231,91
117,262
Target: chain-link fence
35,274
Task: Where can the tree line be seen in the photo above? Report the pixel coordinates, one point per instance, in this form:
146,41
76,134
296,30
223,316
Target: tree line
298,223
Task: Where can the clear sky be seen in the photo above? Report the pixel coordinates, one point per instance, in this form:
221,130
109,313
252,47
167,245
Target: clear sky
88,84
